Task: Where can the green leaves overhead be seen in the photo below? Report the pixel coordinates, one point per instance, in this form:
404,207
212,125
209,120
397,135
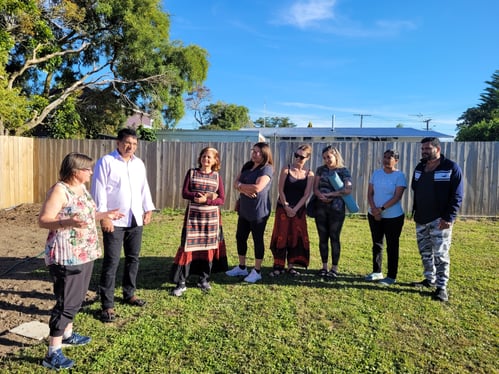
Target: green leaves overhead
62,49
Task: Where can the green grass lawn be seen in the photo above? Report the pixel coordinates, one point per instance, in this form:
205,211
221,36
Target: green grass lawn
298,325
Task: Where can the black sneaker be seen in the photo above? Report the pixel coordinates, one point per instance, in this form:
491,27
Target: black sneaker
205,286
441,294
424,283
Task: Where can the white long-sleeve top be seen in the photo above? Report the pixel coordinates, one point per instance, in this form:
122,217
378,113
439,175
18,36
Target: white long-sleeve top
117,183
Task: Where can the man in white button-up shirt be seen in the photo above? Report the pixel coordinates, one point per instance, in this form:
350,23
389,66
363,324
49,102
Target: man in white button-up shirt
120,181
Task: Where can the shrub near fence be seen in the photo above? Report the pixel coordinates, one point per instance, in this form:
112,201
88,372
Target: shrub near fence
30,167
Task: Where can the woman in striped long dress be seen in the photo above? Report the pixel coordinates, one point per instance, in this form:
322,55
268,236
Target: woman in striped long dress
202,249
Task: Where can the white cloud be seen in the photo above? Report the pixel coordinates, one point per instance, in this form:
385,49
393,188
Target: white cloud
323,16
305,13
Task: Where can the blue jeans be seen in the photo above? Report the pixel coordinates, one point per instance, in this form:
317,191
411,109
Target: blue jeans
131,239
434,247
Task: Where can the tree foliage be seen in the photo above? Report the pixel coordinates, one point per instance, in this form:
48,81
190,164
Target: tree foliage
62,60
481,123
274,122
222,116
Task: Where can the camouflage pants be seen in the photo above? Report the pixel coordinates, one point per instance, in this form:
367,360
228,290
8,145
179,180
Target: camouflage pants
434,247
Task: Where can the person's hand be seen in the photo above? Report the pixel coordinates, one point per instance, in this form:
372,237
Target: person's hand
114,214
106,225
290,212
147,217
324,198
443,225
211,195
76,221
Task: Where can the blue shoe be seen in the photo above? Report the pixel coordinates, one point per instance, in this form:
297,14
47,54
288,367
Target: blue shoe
387,281
57,361
76,339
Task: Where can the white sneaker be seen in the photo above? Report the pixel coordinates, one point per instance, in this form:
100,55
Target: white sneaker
253,277
237,272
374,277
387,281
179,290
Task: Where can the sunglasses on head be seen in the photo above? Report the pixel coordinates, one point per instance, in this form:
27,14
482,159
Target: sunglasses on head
300,156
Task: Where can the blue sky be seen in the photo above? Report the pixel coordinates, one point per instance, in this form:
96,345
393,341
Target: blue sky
393,61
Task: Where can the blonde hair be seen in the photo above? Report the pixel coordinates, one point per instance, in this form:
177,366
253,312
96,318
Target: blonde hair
306,148
337,155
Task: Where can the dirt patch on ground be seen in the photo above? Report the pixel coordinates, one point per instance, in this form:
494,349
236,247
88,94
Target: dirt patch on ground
25,289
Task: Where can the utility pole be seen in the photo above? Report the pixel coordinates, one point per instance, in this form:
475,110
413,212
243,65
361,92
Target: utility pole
427,121
362,117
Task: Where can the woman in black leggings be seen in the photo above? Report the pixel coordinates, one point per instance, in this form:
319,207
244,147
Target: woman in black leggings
330,207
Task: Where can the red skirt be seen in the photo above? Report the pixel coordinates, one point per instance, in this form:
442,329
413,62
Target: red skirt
290,239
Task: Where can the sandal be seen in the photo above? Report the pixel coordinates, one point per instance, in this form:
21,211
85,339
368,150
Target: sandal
293,272
275,273
322,273
108,315
332,274
135,301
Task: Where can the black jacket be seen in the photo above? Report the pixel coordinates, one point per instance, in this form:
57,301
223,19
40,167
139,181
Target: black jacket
448,184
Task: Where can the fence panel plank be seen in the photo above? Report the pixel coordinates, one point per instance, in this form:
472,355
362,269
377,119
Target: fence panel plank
30,166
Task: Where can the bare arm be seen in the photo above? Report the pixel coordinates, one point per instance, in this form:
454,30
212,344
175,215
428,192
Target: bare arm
49,214
307,193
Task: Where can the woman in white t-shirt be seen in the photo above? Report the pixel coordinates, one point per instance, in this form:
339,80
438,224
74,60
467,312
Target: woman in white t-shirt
386,216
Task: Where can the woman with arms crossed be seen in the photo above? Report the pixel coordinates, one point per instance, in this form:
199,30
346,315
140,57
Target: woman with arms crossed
253,183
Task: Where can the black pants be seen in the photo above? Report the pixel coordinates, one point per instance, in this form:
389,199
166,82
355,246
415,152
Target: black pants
70,288
390,228
130,238
257,230
329,223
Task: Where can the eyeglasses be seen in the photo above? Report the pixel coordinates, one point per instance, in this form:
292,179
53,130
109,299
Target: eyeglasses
300,156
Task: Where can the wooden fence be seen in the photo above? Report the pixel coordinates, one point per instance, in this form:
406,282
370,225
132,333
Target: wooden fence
30,167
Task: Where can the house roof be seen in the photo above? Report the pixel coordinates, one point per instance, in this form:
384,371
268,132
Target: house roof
253,135
349,133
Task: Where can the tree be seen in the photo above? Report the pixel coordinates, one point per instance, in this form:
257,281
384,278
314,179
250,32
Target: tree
222,116
481,123
195,101
274,122
146,134
60,50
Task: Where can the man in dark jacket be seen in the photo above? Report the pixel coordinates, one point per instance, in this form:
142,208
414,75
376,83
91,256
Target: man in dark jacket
438,192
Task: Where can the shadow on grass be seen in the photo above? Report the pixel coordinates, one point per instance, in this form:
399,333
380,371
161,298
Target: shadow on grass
310,278
154,272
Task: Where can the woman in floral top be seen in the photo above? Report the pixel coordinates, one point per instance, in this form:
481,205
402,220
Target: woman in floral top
72,245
